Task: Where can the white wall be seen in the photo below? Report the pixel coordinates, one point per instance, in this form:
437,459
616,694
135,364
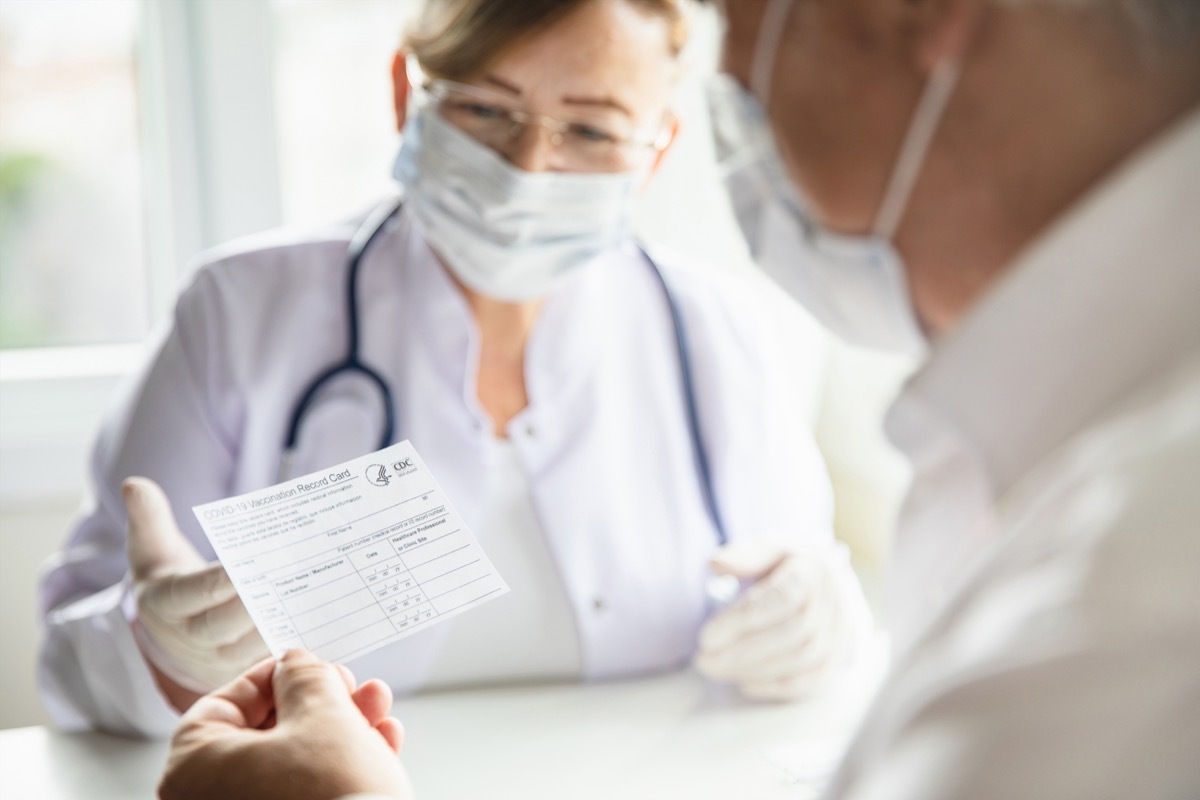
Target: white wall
46,427
28,534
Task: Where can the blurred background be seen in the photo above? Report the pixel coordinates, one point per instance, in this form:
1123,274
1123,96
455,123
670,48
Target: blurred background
136,133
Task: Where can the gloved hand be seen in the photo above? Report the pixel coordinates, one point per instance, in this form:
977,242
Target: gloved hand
191,623
797,626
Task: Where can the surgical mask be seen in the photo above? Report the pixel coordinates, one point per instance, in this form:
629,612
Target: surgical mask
508,233
855,285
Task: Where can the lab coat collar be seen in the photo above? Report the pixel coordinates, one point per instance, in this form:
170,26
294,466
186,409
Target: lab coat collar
1085,316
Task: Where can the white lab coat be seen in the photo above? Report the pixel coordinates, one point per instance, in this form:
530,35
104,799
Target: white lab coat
1048,558
604,441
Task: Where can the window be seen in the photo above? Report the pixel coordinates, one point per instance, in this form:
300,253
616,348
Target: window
133,134
72,255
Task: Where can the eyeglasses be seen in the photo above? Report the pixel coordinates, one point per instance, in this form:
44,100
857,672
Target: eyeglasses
586,144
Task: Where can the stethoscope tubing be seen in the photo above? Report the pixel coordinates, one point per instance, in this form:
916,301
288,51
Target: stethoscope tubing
367,232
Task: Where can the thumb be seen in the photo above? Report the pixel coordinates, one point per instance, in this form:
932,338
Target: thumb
304,684
155,542
747,560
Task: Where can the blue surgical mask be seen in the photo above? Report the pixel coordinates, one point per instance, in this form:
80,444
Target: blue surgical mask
855,285
508,233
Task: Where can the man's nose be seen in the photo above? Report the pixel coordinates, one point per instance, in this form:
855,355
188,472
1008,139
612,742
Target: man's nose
531,148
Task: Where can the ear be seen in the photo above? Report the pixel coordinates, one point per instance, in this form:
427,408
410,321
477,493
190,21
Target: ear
400,87
949,28
672,132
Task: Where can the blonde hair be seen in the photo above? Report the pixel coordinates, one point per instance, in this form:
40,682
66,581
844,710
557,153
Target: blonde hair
460,39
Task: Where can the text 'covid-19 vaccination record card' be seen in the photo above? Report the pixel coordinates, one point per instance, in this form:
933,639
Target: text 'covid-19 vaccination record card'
346,560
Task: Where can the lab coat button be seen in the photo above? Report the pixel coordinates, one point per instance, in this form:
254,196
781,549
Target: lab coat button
598,605
530,431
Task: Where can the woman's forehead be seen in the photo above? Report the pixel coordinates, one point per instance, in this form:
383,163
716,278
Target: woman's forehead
605,50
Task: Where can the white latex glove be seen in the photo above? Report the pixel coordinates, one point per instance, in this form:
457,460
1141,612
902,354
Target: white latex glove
796,627
191,623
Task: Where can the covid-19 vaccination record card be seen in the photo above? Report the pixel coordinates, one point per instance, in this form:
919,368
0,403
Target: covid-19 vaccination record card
346,560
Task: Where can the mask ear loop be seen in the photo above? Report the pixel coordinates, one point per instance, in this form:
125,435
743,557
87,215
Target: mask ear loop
412,68
734,100
925,120
418,83
766,48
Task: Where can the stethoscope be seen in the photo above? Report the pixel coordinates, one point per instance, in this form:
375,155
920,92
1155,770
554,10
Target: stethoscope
353,364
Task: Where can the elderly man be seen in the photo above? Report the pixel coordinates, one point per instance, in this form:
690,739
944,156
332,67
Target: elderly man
1010,188
1014,185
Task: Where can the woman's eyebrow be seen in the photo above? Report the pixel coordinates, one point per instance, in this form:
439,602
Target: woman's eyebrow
572,100
606,102
502,84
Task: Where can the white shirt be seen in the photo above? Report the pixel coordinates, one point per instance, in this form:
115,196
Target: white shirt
604,442
1054,519
529,633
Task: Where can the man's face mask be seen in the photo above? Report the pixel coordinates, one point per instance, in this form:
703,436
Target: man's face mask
853,284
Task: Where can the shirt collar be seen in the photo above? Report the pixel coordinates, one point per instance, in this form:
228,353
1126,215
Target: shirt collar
1106,300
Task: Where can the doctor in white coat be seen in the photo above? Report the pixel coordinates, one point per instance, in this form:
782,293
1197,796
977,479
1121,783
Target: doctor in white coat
531,356
1012,188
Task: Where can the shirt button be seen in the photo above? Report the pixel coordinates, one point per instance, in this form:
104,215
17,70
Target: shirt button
530,431
598,605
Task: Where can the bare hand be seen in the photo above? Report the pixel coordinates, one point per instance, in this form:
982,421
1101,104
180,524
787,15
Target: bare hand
296,729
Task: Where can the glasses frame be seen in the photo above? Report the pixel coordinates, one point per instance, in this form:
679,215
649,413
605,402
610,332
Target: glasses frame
644,140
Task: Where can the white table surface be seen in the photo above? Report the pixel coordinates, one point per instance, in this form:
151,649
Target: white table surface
672,736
